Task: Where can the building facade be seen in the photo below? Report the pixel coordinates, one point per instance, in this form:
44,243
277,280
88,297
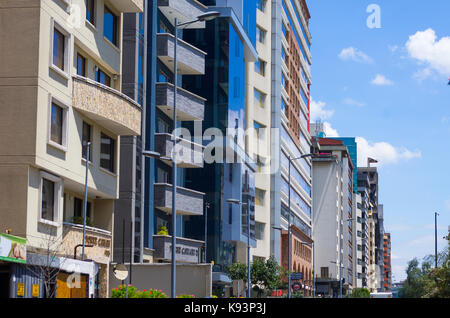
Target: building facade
61,87
333,218
291,80
387,282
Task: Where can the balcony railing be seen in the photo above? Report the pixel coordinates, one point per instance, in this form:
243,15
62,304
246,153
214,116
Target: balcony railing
184,11
189,155
106,106
189,202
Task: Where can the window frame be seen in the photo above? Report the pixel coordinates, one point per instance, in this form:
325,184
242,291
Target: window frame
65,124
99,70
67,49
58,189
91,135
94,13
116,18
113,154
84,59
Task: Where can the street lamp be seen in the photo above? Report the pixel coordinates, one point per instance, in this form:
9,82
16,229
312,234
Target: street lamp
234,201
88,145
435,240
208,16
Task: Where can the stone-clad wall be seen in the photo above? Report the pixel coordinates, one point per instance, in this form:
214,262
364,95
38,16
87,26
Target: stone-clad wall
111,109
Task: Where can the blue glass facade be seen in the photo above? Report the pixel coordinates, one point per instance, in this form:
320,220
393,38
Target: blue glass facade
352,147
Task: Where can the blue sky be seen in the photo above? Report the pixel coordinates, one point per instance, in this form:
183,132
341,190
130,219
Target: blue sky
388,86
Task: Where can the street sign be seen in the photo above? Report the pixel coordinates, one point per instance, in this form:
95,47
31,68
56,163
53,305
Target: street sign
297,276
296,286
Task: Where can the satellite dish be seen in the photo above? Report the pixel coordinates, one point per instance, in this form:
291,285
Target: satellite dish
120,271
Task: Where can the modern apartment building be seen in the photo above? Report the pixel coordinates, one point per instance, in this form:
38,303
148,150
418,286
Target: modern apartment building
333,218
363,219
387,283
61,87
368,179
291,79
230,45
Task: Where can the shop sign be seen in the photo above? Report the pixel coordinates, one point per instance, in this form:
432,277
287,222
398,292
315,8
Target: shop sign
35,290
13,248
21,289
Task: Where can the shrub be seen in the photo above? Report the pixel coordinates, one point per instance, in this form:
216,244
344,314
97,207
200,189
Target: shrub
121,291
186,296
152,293
162,230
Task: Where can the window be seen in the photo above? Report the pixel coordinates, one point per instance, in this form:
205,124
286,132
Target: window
58,125
58,49
87,137
259,98
48,200
102,77
324,272
110,30
260,67
78,209
260,35
230,214
81,65
259,197
259,129
261,5
259,230
50,189
90,11
107,153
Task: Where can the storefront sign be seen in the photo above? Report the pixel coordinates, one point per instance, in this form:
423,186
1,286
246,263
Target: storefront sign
35,291
13,248
21,289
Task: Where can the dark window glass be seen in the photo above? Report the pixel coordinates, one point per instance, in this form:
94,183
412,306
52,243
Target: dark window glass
90,11
81,65
87,129
102,78
78,209
56,130
48,200
110,26
58,49
107,153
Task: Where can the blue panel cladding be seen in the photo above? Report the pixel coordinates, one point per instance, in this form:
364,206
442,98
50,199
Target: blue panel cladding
249,11
352,147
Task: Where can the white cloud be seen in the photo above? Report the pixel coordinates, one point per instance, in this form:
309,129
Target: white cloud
427,240
422,75
355,55
318,111
352,102
381,80
384,152
393,48
330,131
427,49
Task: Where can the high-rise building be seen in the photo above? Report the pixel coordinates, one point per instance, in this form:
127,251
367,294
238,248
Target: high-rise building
61,87
333,218
230,44
364,211
291,79
387,281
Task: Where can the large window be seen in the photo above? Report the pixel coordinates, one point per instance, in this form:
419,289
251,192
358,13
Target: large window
59,47
87,137
260,35
78,209
81,65
90,11
107,153
111,23
102,77
260,98
50,187
259,197
58,124
259,230
260,67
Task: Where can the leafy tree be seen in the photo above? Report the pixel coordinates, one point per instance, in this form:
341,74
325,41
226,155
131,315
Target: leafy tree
265,274
360,293
238,271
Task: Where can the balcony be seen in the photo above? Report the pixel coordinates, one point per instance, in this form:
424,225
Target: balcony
106,106
189,202
189,155
191,61
184,11
188,251
190,107
100,239
128,6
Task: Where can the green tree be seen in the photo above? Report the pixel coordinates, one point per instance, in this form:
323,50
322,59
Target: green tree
238,271
360,293
265,274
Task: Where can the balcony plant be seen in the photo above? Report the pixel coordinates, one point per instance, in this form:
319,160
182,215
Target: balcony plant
152,293
162,230
79,220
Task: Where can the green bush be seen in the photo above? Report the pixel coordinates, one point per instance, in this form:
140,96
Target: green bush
152,293
79,220
360,293
162,230
121,292
186,296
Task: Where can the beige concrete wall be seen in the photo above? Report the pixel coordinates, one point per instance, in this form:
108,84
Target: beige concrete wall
13,194
263,116
191,279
